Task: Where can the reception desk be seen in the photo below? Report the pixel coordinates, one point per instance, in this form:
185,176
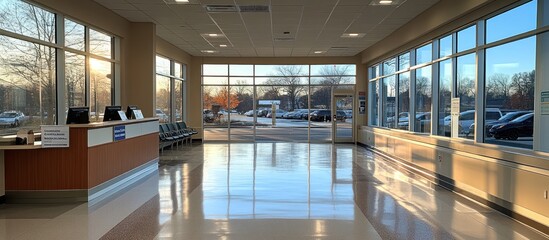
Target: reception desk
94,165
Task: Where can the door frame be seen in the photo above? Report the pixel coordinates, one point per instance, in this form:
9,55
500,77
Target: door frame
342,92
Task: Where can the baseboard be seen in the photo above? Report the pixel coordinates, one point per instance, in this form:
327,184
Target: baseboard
92,195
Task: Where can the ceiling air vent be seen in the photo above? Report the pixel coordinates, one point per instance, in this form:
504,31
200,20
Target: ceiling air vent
253,8
284,39
221,8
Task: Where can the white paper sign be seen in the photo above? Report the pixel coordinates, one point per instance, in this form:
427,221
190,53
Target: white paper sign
455,117
55,136
138,114
122,115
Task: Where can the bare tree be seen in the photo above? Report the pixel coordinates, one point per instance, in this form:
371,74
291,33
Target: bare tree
289,81
522,90
26,65
336,74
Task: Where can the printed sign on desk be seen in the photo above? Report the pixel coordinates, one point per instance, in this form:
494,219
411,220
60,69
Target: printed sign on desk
119,132
55,136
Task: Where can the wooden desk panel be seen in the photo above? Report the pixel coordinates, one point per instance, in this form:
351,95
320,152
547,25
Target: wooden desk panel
107,161
49,168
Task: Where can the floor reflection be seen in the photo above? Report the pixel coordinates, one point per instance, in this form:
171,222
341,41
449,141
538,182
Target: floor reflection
277,180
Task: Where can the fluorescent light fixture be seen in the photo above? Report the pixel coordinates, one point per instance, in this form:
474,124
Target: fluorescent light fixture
318,52
353,35
385,2
208,51
223,45
182,1
213,35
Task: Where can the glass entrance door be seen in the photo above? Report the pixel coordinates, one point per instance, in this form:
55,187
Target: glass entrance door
343,111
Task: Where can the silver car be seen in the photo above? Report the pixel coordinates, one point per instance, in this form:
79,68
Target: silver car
11,118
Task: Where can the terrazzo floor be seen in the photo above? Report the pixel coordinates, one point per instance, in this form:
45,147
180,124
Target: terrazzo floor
269,191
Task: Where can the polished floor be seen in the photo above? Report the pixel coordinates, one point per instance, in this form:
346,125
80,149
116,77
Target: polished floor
268,191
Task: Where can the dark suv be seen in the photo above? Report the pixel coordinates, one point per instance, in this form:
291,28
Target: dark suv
326,115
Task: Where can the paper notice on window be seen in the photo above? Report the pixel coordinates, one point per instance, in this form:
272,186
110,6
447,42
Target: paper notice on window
55,136
544,107
455,117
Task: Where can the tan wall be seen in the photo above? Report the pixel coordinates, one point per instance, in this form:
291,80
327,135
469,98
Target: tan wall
442,18
194,84
168,50
139,87
503,177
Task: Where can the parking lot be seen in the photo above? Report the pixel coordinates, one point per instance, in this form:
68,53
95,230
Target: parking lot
282,130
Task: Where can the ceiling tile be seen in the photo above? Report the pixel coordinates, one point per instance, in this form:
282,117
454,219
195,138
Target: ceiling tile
314,25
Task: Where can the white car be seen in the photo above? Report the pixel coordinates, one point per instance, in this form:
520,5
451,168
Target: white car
467,118
12,118
162,117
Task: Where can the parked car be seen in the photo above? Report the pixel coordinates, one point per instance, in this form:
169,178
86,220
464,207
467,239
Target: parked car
423,120
466,118
278,113
522,126
162,117
402,117
263,112
510,116
300,114
207,115
348,113
250,113
12,118
326,115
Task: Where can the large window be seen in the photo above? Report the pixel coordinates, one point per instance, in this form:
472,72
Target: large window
506,73
423,100
467,38
403,100
100,87
28,86
170,86
515,21
510,83
466,79
389,108
29,89
444,97
245,102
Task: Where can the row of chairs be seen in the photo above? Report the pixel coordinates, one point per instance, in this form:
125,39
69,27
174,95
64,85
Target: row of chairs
174,134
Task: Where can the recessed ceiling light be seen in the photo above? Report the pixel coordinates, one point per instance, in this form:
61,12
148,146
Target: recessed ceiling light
213,35
353,35
385,2
182,1
208,51
318,52
223,45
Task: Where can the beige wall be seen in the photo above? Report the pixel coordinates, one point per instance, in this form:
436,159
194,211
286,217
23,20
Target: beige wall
139,88
168,50
502,177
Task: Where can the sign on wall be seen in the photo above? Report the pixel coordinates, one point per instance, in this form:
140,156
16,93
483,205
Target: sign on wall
361,102
119,132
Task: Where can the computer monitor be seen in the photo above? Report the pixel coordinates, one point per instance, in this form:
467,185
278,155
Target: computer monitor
129,111
111,113
78,115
